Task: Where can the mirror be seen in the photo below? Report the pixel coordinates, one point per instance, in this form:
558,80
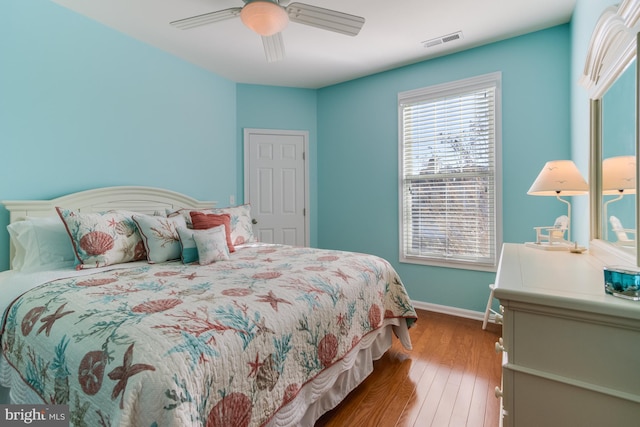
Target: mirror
611,76
618,166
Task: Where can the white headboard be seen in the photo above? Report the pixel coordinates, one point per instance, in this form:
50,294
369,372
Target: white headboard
146,200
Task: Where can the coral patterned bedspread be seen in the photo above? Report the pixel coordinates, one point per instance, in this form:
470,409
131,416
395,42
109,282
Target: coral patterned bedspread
170,344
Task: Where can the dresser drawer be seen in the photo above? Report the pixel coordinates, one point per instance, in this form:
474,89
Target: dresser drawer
573,344
549,403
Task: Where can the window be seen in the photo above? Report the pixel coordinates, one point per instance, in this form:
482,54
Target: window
450,174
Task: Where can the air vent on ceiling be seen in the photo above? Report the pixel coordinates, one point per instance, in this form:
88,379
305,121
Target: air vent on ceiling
444,39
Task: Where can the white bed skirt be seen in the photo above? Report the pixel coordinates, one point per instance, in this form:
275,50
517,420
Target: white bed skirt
320,395
19,392
329,388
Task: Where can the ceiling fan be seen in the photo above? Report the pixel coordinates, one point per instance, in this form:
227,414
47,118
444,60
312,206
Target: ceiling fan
268,18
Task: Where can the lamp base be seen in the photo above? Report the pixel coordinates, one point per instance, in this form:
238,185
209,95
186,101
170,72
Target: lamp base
550,247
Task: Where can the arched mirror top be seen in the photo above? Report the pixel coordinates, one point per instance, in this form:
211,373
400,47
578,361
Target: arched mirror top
610,61
612,47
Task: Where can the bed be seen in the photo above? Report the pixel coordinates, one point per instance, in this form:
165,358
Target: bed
254,335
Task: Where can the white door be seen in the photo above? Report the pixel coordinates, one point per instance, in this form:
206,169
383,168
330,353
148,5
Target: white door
276,184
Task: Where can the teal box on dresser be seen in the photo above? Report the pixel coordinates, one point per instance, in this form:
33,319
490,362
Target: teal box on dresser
623,282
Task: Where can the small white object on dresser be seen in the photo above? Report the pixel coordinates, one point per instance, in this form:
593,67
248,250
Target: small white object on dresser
572,352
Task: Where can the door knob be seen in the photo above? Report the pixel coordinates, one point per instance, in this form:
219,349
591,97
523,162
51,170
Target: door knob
254,221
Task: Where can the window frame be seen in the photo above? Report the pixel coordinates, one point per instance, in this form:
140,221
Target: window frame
459,87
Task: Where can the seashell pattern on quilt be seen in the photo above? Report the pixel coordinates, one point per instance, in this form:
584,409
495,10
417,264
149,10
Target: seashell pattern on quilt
226,344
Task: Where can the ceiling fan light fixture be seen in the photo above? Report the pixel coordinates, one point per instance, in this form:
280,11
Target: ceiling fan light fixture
264,17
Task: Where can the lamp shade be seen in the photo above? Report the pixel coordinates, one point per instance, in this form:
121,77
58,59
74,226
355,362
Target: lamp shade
619,175
559,177
264,17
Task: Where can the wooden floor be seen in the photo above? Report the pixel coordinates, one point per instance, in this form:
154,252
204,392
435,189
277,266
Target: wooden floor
448,379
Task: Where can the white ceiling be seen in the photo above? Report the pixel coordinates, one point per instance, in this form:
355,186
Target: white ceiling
392,36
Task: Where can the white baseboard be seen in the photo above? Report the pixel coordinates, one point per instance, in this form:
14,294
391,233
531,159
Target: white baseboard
453,311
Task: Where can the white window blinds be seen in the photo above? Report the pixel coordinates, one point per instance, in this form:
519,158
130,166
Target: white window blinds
449,173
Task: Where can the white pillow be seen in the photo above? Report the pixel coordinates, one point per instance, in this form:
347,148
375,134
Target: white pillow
19,252
241,223
211,244
40,244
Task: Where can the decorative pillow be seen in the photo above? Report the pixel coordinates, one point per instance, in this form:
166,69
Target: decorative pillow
160,236
189,251
212,245
204,221
40,243
241,227
104,238
185,213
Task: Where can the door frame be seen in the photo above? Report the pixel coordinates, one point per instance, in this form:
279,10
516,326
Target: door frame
247,181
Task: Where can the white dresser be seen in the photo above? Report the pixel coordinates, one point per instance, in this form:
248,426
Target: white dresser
572,352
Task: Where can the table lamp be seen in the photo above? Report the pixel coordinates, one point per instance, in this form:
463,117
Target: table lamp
560,178
618,177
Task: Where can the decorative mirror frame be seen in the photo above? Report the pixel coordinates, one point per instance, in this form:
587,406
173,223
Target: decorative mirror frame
612,48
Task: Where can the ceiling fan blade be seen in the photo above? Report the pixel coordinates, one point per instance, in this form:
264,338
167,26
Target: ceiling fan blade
207,18
325,19
273,47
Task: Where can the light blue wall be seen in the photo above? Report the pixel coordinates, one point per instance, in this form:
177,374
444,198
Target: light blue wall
583,22
269,107
82,106
358,154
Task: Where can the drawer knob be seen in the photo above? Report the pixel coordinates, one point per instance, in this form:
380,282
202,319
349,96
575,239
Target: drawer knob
499,346
498,318
498,392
